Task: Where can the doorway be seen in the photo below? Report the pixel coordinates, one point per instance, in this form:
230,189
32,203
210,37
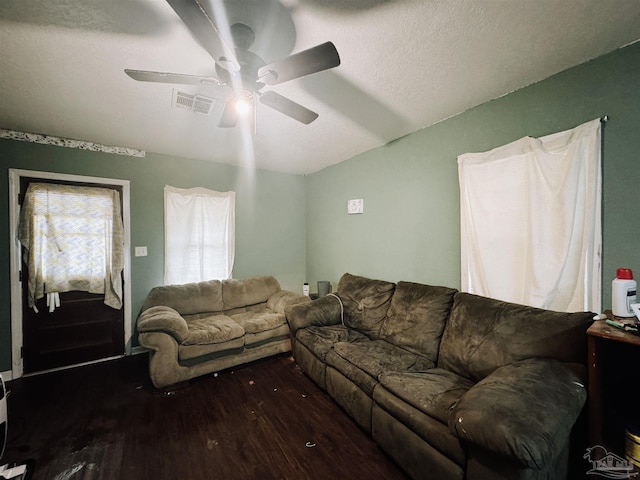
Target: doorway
84,329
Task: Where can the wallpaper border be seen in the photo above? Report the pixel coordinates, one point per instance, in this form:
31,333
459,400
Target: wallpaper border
68,143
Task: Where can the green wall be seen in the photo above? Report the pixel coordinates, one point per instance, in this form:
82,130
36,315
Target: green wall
410,229
270,214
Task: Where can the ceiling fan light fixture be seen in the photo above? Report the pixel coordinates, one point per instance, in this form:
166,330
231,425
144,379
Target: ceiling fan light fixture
240,73
242,106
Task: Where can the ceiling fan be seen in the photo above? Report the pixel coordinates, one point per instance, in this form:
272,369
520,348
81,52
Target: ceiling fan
240,73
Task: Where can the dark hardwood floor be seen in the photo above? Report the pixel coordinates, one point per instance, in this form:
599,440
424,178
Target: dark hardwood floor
265,420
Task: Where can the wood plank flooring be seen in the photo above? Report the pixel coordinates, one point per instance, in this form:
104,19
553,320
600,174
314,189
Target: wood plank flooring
265,420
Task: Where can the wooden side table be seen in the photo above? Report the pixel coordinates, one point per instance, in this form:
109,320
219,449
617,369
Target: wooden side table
600,335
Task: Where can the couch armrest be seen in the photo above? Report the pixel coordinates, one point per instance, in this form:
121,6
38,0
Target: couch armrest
323,311
524,410
282,299
163,319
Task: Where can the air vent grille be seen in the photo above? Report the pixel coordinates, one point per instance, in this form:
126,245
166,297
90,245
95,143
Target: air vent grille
195,103
202,104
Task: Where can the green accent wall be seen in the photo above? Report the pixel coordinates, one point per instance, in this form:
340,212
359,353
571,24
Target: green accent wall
410,229
270,214
297,229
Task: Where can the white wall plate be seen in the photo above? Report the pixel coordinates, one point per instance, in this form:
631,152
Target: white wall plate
355,205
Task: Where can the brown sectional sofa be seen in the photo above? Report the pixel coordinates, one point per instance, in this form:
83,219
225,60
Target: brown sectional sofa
449,384
204,327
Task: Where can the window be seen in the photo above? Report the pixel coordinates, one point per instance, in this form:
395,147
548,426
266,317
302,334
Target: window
74,241
530,220
199,235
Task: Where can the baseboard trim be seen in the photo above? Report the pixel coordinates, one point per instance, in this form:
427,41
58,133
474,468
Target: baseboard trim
68,367
7,376
138,350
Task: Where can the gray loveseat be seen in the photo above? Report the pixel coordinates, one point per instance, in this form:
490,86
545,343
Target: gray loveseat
204,327
451,385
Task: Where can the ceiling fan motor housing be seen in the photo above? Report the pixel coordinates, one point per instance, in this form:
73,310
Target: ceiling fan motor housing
248,73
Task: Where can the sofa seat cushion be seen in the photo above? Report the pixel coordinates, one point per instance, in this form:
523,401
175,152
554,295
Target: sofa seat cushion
378,356
319,340
207,329
434,432
259,321
434,392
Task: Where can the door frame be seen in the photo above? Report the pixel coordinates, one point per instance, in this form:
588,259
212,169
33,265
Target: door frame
17,367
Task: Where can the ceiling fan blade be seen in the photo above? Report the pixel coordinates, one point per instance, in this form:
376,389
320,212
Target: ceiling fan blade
165,77
229,116
316,59
288,107
202,26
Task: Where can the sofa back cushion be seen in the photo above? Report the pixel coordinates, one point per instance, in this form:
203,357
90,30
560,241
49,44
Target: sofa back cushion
417,317
237,293
366,302
483,334
189,298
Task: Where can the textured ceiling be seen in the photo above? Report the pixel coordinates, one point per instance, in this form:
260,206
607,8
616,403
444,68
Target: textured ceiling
406,64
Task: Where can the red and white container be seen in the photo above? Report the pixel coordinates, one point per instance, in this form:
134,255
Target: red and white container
623,293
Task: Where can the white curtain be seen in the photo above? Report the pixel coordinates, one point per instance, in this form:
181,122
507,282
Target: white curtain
199,234
531,220
74,240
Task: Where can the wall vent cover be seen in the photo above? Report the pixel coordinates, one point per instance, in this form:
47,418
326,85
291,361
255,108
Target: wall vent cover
195,103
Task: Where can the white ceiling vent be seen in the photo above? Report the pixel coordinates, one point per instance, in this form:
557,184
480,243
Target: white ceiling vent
195,103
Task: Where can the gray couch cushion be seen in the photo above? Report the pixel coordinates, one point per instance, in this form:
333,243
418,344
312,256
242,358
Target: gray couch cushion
188,299
483,334
417,316
378,356
319,340
248,291
434,392
205,329
366,302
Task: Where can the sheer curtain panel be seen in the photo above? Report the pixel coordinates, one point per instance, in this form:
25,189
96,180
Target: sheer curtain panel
74,241
199,234
531,220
